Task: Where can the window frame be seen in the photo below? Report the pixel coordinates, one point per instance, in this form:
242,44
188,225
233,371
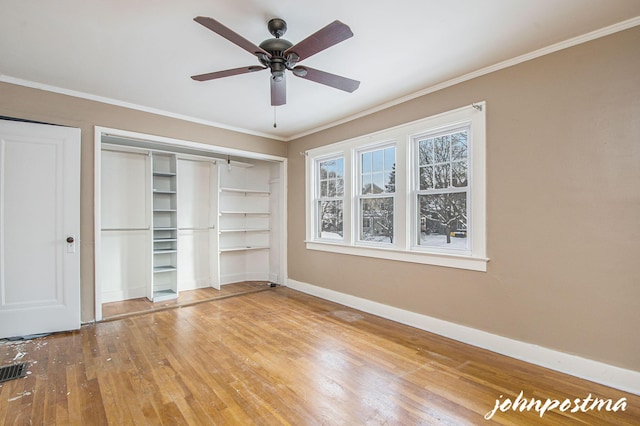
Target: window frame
318,198
404,247
416,192
359,196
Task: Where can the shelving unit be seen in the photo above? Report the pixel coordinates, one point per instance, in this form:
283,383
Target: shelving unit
174,221
244,224
165,227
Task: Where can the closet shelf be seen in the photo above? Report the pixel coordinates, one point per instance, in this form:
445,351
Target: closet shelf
245,191
164,251
245,230
165,229
161,295
164,174
159,269
245,248
164,240
164,210
162,191
244,212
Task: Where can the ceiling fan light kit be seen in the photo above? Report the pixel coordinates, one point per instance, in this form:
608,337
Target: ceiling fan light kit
279,55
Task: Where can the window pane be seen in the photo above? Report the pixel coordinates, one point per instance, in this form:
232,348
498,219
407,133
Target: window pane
339,168
366,162
390,181
330,219
459,146
425,152
367,184
459,174
331,191
377,161
442,220
376,219
339,187
389,158
378,183
426,178
323,188
322,170
441,176
441,148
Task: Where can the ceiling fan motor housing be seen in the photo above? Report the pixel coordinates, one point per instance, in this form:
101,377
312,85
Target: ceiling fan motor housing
278,63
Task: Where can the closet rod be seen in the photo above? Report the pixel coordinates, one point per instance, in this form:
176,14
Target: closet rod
125,229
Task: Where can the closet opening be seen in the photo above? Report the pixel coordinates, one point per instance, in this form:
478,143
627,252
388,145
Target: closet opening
181,222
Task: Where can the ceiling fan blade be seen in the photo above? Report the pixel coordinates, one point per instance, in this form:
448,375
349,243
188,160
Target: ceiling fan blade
322,39
230,35
278,91
323,77
226,73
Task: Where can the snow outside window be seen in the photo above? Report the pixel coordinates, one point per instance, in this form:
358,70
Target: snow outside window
442,190
412,193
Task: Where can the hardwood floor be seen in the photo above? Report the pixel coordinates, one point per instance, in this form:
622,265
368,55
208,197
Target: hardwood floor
141,305
278,357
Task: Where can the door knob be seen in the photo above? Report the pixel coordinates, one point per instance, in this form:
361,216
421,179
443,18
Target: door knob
70,240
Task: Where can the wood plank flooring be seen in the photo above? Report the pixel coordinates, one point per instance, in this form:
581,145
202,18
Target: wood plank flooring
278,357
124,308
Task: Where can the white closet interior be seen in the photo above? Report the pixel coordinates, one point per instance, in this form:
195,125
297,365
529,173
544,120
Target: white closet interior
175,218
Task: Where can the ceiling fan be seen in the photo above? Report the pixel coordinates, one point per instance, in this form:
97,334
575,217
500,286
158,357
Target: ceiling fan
279,55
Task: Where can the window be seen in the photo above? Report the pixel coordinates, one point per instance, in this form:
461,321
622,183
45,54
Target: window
442,190
330,199
420,198
376,194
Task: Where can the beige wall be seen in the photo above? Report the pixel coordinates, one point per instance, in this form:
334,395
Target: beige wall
563,207
31,104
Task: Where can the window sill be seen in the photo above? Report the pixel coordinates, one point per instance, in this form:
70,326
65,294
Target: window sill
438,259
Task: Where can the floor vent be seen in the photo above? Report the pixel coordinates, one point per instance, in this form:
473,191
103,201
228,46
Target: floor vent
11,372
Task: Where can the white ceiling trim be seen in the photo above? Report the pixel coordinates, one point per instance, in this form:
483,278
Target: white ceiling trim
110,101
621,26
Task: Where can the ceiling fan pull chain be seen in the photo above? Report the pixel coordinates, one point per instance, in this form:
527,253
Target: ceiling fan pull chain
274,118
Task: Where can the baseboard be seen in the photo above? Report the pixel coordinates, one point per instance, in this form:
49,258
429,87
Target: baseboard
595,371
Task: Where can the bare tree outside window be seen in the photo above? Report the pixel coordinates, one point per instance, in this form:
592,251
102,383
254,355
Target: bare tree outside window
330,204
443,190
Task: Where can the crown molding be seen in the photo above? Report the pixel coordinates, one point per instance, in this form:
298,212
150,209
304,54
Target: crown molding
593,35
88,96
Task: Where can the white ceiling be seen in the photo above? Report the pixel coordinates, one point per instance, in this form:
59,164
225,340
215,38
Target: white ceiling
143,52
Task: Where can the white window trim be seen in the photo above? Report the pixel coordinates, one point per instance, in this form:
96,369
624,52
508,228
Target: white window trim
403,249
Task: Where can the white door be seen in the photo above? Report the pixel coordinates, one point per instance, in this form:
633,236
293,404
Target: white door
39,228
197,233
